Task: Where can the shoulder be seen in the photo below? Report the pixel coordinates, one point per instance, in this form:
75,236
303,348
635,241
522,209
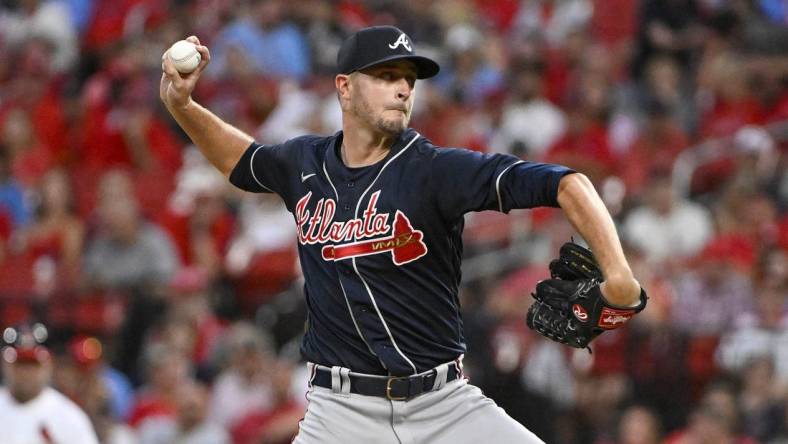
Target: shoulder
5,397
68,410
425,148
302,145
309,142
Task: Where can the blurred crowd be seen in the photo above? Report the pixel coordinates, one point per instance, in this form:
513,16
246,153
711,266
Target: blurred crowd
174,302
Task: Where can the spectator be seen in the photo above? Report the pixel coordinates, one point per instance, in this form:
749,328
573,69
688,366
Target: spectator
715,420
762,333
745,218
757,158
585,145
714,294
198,220
667,27
322,24
782,436
167,372
98,406
277,424
553,22
189,426
653,152
761,400
50,21
261,257
88,355
30,410
120,127
245,385
276,46
732,104
57,232
127,251
711,297
470,74
658,363
14,208
665,84
111,22
639,425
30,159
528,118
667,228
190,325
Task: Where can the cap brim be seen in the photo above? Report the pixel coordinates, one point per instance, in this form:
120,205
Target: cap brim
425,67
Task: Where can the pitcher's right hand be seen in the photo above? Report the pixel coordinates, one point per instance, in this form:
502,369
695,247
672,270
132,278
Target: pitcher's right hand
175,89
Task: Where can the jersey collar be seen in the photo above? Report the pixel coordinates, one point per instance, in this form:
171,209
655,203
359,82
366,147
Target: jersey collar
336,168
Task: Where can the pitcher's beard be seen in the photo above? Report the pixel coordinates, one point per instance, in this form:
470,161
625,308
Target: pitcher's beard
390,127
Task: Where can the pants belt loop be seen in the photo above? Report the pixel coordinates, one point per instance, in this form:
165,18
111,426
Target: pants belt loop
311,369
344,374
336,381
458,366
441,372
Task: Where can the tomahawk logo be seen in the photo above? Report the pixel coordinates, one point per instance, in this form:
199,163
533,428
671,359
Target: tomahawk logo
403,241
401,40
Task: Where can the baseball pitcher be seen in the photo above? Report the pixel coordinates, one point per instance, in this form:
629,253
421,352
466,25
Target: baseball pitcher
379,213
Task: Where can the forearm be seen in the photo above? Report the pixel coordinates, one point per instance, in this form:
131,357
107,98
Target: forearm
588,215
221,143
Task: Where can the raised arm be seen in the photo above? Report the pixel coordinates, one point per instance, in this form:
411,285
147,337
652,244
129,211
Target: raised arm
587,213
221,143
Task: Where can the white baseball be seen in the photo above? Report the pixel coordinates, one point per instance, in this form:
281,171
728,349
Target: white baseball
185,56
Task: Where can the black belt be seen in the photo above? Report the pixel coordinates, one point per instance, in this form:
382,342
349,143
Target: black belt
395,388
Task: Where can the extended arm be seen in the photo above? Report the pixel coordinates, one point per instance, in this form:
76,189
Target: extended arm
587,213
221,143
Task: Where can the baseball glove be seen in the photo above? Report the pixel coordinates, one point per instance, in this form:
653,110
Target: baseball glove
570,307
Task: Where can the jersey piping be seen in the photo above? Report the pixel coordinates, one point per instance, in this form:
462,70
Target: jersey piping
498,184
355,267
251,168
344,294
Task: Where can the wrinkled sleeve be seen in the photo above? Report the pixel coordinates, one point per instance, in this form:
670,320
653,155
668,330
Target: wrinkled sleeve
471,181
262,169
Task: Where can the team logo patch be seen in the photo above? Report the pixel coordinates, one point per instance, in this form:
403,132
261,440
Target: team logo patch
401,40
580,312
612,318
405,243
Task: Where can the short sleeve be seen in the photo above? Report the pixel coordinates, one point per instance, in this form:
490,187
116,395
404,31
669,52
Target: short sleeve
471,181
262,169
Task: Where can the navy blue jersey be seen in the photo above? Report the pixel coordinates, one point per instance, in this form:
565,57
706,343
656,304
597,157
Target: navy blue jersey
380,246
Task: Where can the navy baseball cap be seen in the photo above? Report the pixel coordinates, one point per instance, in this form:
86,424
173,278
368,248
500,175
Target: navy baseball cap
379,44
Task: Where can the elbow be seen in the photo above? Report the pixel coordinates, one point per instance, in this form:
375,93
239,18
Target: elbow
227,166
573,187
226,170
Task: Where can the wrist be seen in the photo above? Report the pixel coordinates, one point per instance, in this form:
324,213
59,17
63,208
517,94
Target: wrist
623,292
179,106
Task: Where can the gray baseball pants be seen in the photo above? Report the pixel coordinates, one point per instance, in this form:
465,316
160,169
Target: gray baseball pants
455,413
